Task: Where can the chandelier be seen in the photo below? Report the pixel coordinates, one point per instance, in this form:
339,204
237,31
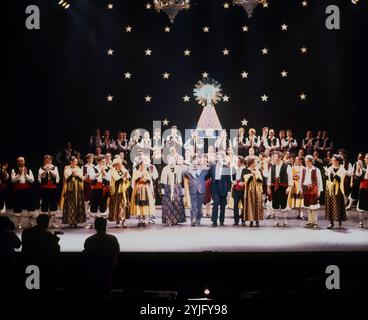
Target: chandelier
248,5
171,7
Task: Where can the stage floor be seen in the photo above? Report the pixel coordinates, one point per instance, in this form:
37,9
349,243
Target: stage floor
267,238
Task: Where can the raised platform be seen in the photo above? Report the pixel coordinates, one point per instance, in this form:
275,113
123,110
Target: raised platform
205,238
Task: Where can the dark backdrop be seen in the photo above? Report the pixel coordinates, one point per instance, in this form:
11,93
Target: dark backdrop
57,78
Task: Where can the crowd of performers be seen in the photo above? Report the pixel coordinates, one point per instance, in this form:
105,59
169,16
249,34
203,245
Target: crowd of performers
259,177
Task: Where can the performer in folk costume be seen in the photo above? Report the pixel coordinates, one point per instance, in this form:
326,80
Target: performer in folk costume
253,202
295,200
119,184
155,182
194,143
272,143
349,173
173,211
290,144
252,141
311,185
280,181
362,173
96,140
157,142
324,144
88,172
263,140
142,200
282,141
265,168
100,177
355,182
22,178
4,177
136,139
146,143
335,202
72,198
239,142
174,139
308,143
237,189
48,177
222,143
108,143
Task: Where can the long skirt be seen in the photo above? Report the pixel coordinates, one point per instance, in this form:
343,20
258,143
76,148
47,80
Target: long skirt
173,211
295,199
253,205
73,208
117,207
335,207
363,200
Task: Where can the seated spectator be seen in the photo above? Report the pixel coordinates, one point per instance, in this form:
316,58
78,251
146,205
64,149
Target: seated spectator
101,252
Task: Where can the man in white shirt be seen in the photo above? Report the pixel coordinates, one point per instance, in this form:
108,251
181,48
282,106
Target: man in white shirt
280,181
22,178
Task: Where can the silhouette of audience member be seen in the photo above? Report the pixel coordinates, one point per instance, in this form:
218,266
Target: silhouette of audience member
9,241
101,255
40,247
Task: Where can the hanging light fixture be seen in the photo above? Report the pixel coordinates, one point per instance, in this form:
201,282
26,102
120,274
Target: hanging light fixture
248,5
171,7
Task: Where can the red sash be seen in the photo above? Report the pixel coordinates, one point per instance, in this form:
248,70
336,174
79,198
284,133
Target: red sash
49,185
364,184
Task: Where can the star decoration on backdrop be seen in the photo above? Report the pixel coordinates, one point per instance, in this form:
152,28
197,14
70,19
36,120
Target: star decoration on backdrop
148,6
244,75
304,50
110,6
244,122
186,98
264,51
109,98
128,29
226,52
226,5
167,29
147,98
165,122
245,28
264,98
110,52
303,96
166,75
127,75
225,98
304,3
148,52
205,75
187,52
206,29
284,73
284,27
265,5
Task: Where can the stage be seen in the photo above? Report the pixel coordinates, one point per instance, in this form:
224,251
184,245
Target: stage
185,238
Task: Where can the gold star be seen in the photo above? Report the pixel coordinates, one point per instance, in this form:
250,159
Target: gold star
244,75
187,52
128,29
244,122
264,98
165,122
226,52
304,3
186,98
284,27
284,73
167,29
148,98
166,75
303,96
148,6
109,98
264,51
148,52
110,6
226,5
205,75
110,52
304,50
206,29
225,98
265,5
245,28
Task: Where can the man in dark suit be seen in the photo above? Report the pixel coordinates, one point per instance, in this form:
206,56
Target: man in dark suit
197,190
221,183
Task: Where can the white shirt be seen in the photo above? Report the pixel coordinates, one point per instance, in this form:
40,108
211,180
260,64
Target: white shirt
277,174
22,178
97,176
218,171
238,172
55,174
308,178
